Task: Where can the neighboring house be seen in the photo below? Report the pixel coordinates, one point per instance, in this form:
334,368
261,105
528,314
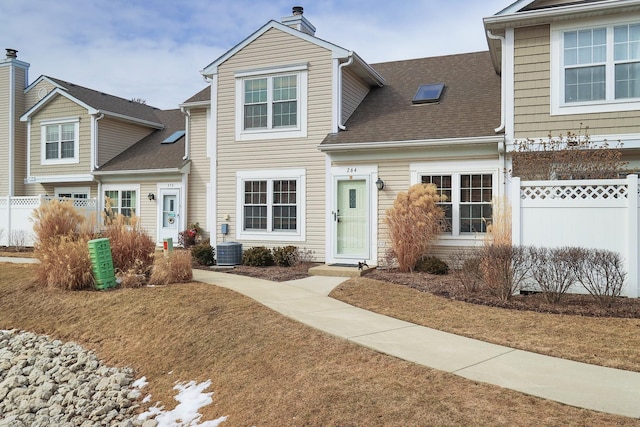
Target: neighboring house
65,140
567,65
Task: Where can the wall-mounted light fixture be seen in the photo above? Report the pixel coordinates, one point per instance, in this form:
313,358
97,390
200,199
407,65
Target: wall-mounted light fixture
380,184
151,196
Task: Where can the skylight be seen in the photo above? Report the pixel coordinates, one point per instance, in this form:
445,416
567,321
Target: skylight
428,93
174,137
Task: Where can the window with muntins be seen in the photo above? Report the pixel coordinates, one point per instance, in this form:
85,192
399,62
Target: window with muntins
599,68
121,202
271,102
60,142
270,205
468,204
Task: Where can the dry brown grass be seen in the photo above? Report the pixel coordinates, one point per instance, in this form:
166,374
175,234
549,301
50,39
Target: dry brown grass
131,246
265,369
611,342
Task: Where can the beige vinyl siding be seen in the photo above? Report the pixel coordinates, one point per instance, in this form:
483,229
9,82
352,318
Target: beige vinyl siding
115,136
276,48
354,91
532,95
148,213
20,136
32,97
5,73
58,108
200,169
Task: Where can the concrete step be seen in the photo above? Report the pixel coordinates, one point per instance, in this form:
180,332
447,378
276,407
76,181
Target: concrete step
333,270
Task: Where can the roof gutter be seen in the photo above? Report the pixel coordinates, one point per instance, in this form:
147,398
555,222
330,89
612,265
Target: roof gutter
139,171
425,143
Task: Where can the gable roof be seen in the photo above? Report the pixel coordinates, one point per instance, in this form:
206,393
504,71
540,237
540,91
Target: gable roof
201,98
150,154
97,103
469,107
363,69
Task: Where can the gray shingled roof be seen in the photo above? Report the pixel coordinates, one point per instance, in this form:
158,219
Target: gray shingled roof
469,106
149,153
109,103
203,95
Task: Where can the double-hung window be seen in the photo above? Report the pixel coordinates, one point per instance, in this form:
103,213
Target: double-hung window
271,103
271,204
467,207
60,141
121,200
595,68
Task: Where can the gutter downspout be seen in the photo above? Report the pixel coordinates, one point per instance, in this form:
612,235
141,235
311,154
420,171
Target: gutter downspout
95,145
503,81
187,135
341,126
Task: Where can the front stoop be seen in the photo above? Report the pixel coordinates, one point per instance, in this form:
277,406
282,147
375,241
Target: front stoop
338,271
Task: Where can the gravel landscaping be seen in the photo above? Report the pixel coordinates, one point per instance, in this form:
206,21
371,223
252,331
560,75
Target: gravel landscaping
47,382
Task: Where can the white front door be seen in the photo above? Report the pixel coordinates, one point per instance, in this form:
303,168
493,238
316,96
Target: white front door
351,220
169,214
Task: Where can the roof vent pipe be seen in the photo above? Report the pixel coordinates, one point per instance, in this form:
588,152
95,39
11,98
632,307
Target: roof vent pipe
12,53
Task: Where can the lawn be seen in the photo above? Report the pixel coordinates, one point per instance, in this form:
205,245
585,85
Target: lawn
265,369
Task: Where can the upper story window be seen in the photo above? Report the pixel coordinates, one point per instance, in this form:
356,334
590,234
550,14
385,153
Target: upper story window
271,103
60,141
595,68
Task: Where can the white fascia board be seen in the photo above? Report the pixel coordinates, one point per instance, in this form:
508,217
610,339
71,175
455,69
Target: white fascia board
44,101
212,68
197,104
514,7
139,172
154,125
547,15
39,79
411,144
58,178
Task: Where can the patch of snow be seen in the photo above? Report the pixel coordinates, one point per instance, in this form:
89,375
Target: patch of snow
140,382
191,398
146,399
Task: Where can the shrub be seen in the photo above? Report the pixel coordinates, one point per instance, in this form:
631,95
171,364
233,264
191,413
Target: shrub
553,271
203,253
258,256
601,273
466,268
285,256
64,263
131,246
432,265
131,278
173,267
504,268
414,222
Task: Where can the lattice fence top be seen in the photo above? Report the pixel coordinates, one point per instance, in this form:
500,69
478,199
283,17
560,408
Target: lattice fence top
27,201
575,192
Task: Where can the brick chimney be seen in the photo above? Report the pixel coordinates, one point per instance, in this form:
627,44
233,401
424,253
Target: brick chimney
298,21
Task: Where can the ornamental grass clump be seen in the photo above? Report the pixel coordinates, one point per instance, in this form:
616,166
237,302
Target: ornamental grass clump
172,267
131,246
61,246
414,222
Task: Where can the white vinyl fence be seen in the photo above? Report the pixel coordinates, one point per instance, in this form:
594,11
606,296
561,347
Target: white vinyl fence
600,214
16,224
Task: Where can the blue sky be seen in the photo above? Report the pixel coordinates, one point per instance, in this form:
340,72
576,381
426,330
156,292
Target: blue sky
155,49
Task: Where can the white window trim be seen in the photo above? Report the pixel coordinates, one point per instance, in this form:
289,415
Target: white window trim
121,187
72,190
76,142
300,131
558,105
291,174
417,170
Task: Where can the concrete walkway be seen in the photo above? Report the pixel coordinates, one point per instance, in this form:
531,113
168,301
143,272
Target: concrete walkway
577,384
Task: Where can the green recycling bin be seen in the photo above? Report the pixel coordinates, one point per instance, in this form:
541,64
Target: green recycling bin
167,244
102,263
